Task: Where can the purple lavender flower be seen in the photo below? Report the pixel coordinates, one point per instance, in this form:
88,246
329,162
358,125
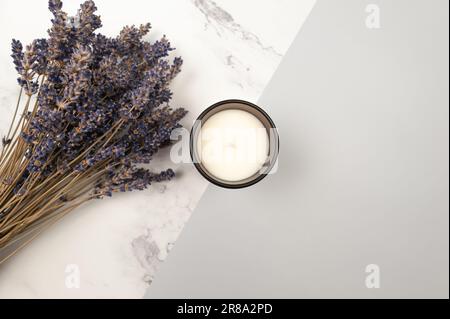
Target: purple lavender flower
102,103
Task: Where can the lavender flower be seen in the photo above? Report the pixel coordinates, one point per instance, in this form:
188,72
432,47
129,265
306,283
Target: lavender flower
102,103
95,110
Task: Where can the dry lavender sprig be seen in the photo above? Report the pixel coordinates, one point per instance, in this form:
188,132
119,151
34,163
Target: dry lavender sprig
94,108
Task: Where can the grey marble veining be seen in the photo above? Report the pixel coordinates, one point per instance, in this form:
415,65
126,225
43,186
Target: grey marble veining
222,21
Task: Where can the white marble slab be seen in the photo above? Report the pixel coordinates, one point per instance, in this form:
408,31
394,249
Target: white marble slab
231,49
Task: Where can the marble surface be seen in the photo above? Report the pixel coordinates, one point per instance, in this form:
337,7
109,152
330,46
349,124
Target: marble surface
231,49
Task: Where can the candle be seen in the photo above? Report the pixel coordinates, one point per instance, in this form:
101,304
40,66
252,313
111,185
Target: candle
234,144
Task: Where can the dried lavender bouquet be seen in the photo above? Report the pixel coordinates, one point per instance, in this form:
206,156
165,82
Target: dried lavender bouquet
94,109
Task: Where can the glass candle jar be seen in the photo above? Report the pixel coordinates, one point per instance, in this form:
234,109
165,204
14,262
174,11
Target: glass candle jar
234,144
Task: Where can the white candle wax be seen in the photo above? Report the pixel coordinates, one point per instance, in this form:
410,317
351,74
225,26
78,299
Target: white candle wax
233,145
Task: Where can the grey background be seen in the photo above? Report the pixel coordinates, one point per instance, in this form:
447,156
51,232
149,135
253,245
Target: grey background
363,174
